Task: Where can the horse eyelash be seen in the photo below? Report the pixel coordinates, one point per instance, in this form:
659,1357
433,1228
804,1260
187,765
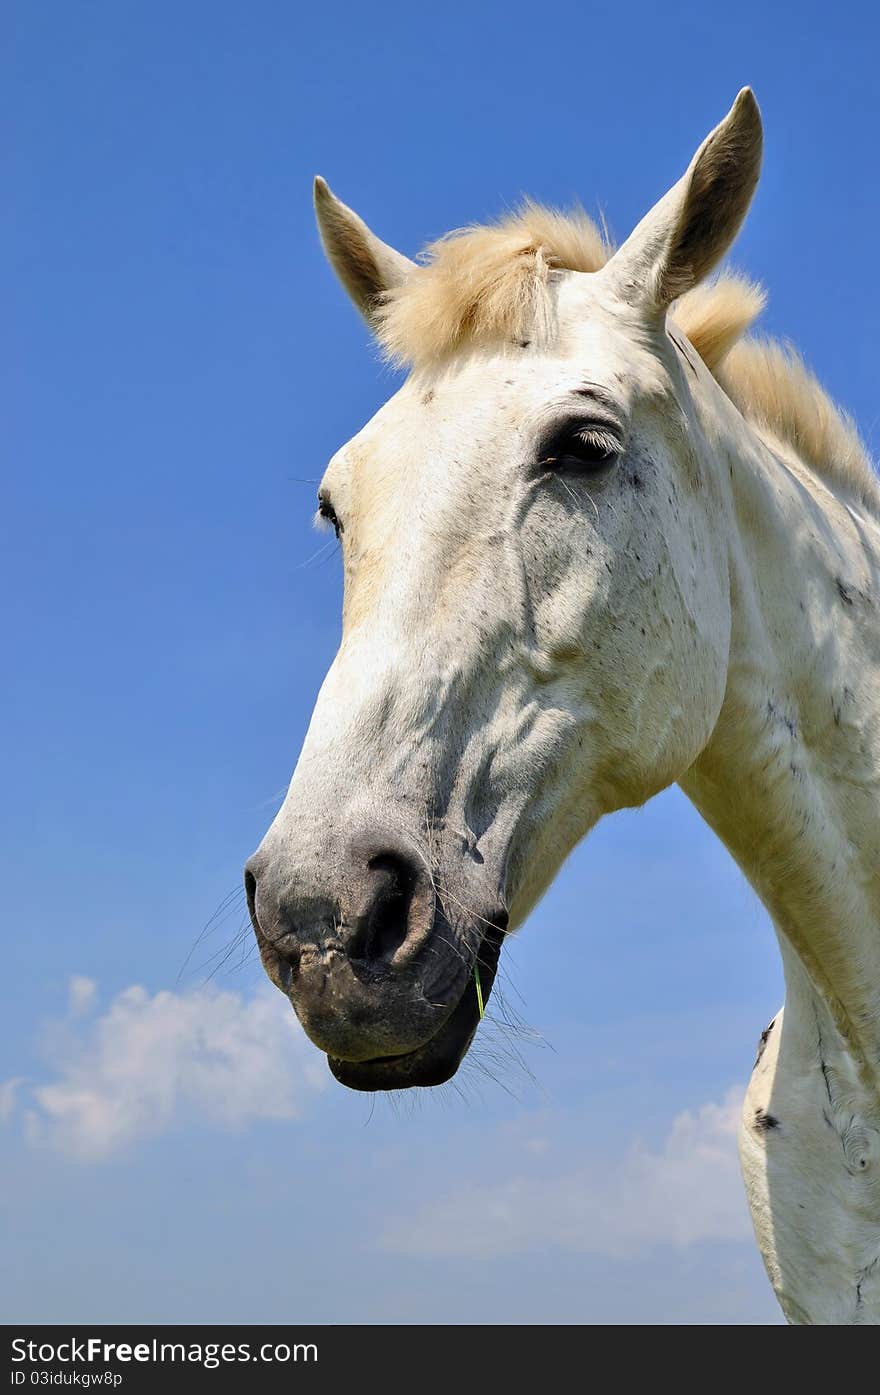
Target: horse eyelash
327,517
601,439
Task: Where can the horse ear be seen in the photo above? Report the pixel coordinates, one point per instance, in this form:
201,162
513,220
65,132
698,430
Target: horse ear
366,266
688,232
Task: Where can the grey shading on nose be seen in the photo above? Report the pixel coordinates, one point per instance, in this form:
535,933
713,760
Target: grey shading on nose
374,903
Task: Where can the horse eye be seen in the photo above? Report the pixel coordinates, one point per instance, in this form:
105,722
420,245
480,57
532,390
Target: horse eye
328,513
586,449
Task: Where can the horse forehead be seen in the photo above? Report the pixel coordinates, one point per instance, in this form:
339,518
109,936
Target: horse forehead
428,434
443,423
482,399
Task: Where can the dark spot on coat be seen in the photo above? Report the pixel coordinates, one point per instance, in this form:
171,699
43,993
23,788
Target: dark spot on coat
428,397
762,1044
776,714
844,591
764,1122
825,1075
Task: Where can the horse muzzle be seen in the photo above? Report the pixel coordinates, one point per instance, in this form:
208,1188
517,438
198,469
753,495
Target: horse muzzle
378,961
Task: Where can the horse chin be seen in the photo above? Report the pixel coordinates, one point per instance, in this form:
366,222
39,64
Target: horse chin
436,1060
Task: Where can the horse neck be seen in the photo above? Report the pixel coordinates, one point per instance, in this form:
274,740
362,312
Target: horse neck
790,779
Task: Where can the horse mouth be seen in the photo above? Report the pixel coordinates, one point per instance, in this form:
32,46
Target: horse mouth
437,1059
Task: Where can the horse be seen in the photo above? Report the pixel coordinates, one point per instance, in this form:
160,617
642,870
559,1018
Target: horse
601,540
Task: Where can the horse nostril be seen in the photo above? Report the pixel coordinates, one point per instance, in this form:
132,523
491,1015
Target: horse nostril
376,906
393,901
387,914
250,891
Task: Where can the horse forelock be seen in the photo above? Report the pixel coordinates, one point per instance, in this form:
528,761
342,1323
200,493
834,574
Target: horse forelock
487,285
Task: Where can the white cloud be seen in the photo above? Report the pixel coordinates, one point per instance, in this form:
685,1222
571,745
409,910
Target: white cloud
8,1093
82,993
688,1191
150,1062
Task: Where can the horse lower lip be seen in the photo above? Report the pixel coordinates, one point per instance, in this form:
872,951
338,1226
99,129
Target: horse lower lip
437,1060
387,1060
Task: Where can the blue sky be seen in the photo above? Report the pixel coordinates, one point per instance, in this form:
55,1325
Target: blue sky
183,360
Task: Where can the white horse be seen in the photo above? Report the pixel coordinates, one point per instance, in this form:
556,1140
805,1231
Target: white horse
597,543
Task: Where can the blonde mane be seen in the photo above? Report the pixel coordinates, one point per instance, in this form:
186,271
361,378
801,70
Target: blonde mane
487,285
